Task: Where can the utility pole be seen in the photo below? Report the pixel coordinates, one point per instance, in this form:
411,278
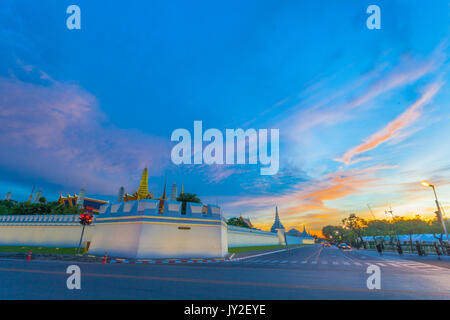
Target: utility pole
371,212
438,212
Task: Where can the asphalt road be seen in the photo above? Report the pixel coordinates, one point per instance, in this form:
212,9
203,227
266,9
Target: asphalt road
309,272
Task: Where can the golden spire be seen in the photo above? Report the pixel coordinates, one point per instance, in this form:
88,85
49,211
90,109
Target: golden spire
142,192
69,199
181,192
164,192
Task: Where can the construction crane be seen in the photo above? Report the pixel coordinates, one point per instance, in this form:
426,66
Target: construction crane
371,212
390,212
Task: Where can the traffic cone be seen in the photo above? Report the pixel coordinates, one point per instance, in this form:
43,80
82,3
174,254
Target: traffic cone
105,258
29,255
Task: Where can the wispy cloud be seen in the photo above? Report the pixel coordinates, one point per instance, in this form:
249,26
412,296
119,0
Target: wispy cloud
329,106
393,128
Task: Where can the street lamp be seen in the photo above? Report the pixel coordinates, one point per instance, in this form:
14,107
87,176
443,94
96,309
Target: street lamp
439,212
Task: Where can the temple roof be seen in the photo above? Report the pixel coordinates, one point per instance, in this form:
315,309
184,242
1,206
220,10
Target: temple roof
305,234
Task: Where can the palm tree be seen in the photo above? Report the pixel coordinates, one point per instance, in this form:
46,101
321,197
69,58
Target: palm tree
187,197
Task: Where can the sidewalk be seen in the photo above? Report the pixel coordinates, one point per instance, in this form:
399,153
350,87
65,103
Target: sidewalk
51,256
112,259
405,254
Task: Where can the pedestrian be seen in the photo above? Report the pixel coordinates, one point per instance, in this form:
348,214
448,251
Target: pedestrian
399,248
379,249
438,252
419,250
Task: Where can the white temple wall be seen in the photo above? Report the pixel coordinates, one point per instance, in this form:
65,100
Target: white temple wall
245,237
43,230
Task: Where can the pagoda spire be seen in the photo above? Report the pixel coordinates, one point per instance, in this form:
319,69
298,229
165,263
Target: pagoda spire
181,192
143,185
164,192
121,194
80,199
31,195
277,223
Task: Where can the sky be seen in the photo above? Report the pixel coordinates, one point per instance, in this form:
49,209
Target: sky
362,114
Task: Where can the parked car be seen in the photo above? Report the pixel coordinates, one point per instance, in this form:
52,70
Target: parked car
344,246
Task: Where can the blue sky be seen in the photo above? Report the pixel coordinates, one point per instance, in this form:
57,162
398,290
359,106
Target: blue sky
362,113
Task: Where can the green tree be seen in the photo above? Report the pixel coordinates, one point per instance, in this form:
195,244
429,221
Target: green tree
411,226
185,198
7,206
41,208
355,224
333,233
237,222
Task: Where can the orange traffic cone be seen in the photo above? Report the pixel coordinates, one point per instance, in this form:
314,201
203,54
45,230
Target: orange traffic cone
105,258
29,255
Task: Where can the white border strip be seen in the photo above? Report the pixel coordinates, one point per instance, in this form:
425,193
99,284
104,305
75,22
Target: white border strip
262,254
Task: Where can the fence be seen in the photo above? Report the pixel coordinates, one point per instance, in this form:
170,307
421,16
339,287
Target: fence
409,248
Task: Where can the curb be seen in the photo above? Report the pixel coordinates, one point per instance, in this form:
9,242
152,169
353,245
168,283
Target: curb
168,261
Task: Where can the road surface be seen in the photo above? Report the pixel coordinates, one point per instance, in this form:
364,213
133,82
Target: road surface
309,272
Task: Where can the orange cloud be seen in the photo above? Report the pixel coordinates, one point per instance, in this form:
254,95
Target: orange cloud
390,131
308,204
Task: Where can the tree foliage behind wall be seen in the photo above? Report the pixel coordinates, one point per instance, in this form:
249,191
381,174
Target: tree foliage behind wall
237,222
41,207
354,227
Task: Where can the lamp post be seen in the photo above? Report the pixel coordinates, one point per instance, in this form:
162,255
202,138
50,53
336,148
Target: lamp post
393,226
438,212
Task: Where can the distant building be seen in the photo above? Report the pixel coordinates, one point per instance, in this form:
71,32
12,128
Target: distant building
173,192
89,204
294,232
8,196
277,223
37,196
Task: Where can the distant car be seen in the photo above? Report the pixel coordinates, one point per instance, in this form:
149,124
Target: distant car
344,246
325,244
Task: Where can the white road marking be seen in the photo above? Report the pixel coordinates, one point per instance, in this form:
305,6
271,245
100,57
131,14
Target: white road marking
334,262
346,263
304,261
394,265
